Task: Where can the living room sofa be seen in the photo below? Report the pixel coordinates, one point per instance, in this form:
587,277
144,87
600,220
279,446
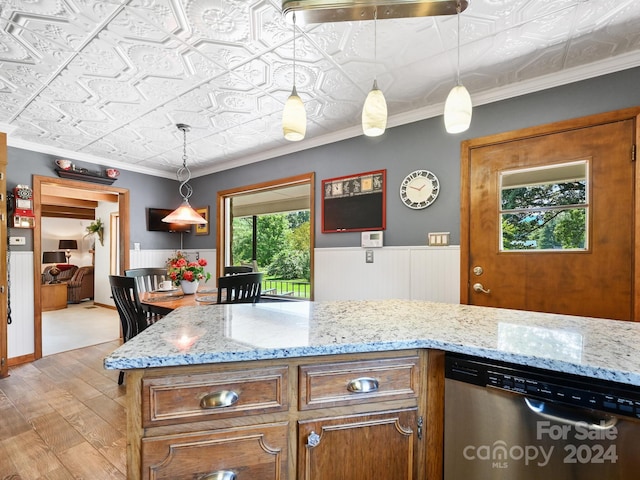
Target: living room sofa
80,286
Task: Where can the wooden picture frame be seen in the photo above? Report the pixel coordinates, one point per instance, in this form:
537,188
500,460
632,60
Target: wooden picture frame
203,228
354,203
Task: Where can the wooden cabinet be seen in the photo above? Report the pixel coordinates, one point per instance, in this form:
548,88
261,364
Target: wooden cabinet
379,445
53,296
252,452
343,417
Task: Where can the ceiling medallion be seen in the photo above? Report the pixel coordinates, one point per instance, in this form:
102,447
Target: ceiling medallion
324,11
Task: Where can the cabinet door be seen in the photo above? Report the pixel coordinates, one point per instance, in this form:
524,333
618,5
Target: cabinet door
244,453
359,447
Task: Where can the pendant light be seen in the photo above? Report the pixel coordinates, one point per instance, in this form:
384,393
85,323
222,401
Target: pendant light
294,117
458,107
374,111
184,214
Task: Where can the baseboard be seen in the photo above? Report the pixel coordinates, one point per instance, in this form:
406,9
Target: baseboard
103,305
13,361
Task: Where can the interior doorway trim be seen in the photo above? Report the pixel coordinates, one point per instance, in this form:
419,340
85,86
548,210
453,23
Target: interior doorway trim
123,213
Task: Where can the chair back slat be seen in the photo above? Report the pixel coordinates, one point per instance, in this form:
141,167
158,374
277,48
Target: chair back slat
235,269
148,279
133,318
240,288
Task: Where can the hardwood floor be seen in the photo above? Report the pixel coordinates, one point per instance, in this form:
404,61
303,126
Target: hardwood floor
63,417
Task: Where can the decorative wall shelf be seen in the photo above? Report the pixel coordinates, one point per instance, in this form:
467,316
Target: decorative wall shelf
87,176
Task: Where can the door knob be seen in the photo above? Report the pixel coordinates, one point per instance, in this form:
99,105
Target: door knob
477,287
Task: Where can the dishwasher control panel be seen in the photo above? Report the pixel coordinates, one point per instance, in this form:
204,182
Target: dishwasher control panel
562,388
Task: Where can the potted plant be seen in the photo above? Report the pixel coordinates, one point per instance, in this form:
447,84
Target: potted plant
96,228
185,273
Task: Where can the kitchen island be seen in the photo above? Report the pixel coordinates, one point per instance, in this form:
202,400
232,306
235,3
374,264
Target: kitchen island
284,390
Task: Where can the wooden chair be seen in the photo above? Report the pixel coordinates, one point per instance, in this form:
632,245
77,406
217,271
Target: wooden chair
240,288
148,279
235,269
133,319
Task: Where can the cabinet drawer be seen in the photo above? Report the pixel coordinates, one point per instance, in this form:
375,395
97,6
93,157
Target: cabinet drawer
251,453
348,383
200,396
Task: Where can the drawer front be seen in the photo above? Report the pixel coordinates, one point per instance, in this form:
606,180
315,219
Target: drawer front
348,383
201,396
251,453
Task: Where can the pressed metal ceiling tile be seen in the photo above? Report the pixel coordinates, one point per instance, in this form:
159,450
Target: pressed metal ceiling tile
108,80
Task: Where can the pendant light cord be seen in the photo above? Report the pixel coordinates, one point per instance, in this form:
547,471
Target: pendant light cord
184,174
458,15
375,43
294,50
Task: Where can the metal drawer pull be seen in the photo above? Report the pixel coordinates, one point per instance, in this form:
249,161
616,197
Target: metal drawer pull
221,475
363,385
223,398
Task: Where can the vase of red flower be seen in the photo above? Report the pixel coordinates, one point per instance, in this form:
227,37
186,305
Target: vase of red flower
186,273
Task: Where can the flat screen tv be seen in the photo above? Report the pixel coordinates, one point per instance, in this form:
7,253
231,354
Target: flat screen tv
155,223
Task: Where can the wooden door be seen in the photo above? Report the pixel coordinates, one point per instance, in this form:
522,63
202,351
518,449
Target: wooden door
594,281
4,365
359,447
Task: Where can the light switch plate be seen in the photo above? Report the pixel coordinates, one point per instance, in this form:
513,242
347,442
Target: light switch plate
17,240
369,256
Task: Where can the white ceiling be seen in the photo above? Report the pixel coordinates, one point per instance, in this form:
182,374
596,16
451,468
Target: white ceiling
106,81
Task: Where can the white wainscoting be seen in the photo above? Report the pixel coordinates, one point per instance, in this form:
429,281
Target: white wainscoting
158,258
20,334
414,273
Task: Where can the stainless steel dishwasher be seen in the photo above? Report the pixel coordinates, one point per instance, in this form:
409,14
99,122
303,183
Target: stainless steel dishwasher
505,421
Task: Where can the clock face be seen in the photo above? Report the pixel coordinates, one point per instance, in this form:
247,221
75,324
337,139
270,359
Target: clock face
419,189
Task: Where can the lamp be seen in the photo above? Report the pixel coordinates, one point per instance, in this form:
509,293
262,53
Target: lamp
54,258
294,116
184,214
374,111
458,107
68,245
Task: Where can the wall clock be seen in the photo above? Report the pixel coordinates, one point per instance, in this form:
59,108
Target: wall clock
419,189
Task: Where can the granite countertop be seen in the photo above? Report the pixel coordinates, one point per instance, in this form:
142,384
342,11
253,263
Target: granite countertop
603,349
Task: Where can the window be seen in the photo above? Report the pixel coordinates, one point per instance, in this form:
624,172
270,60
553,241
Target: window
545,208
270,227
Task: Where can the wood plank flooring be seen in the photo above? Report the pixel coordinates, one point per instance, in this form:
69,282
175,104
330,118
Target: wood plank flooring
63,417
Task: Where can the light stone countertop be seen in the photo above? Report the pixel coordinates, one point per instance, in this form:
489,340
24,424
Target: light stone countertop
602,349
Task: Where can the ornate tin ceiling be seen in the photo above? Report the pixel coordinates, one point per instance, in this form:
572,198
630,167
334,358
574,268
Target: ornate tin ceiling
106,81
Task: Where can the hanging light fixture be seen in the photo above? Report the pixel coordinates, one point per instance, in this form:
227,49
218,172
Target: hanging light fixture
374,111
294,117
184,214
458,107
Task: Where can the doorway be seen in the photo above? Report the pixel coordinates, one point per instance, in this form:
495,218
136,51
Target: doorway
503,263
77,193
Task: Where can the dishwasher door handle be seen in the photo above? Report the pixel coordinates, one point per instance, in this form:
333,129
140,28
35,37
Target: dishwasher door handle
570,416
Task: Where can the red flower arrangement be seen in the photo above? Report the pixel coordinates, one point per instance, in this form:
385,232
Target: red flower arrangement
180,268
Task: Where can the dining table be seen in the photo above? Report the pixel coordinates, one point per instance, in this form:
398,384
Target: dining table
162,302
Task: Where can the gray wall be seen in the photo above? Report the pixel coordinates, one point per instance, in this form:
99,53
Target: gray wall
145,191
423,144
400,150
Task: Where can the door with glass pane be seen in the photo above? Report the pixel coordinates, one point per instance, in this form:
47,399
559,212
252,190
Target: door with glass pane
550,221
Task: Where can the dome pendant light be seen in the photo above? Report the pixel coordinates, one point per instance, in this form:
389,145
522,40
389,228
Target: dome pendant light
458,107
184,214
374,111
294,116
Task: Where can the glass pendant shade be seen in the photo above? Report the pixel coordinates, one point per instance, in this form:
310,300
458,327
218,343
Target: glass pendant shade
294,118
457,110
184,214
374,113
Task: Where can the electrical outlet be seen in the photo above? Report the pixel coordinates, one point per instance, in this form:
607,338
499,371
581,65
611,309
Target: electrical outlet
17,240
369,256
